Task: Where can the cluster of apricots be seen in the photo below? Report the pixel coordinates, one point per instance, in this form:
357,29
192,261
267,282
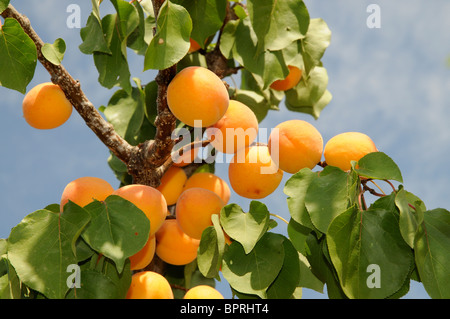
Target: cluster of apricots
256,170
173,240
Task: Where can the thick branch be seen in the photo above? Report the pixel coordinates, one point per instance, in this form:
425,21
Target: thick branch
73,91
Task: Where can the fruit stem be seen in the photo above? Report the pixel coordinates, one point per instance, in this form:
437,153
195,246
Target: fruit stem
279,217
378,187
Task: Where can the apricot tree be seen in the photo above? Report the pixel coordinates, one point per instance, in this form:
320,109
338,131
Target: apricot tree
169,226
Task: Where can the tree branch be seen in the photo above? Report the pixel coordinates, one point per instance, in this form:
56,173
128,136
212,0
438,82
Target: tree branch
72,89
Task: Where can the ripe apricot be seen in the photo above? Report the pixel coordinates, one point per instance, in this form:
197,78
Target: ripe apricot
292,79
343,148
197,93
149,285
203,292
172,184
295,144
211,182
194,46
149,200
85,190
173,246
145,256
46,107
237,129
253,174
194,209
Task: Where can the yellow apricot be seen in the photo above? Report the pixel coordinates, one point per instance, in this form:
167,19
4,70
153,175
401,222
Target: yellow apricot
343,148
211,182
194,46
173,246
203,292
295,144
197,93
237,129
194,209
149,285
149,200
85,190
294,76
46,107
145,256
253,174
172,184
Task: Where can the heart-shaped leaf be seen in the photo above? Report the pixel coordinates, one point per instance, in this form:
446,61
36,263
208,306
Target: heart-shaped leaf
54,52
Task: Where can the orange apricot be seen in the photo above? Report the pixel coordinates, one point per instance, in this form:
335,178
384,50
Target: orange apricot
173,246
211,182
85,190
295,144
237,129
253,174
172,184
194,46
46,107
145,256
197,97
203,292
194,209
149,285
343,148
149,200
292,79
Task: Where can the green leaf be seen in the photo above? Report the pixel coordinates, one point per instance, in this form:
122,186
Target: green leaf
113,67
410,218
288,278
18,56
295,188
377,165
307,278
365,246
118,229
54,52
315,43
42,246
246,228
298,234
207,17
278,23
310,96
328,196
140,38
171,41
3,5
240,42
432,252
211,249
126,113
252,273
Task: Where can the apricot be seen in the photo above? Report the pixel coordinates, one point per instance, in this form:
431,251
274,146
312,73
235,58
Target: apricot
203,292
173,246
211,182
46,107
237,129
85,190
145,256
149,285
253,174
194,209
194,46
149,200
292,79
172,184
197,97
343,148
295,144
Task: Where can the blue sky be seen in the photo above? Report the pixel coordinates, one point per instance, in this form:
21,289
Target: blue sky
391,83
